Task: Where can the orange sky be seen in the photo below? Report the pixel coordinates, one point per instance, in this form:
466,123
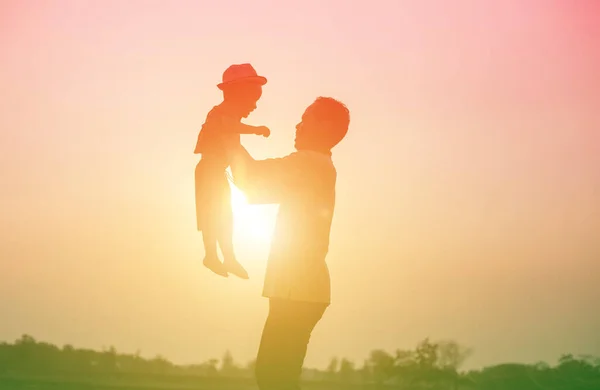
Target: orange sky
468,194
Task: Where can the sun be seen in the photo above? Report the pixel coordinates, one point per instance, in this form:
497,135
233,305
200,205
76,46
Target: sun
252,223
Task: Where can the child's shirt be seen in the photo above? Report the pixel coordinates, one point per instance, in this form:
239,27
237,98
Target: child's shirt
216,137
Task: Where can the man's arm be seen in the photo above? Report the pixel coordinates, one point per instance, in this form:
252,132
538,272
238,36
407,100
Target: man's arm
262,181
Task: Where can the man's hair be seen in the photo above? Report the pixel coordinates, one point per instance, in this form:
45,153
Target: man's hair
337,114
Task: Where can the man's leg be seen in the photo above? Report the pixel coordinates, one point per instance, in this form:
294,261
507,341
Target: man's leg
284,342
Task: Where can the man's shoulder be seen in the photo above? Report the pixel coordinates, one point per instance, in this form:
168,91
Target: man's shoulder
313,159
311,164
311,155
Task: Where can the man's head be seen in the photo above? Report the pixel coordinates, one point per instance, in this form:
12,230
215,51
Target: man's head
324,124
242,87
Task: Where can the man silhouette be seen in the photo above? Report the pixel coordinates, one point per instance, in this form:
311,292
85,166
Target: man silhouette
297,280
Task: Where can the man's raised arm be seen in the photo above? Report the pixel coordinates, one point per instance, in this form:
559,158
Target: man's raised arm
262,181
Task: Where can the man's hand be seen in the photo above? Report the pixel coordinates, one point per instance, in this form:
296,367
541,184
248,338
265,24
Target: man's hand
241,162
264,131
240,156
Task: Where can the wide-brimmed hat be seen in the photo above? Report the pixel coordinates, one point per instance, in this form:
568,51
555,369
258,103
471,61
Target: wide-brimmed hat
241,73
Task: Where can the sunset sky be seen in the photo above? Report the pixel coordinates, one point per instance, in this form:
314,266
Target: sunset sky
468,195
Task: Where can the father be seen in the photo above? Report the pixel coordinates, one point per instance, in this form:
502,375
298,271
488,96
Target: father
297,279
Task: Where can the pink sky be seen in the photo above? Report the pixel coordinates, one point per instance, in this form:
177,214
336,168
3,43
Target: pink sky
468,193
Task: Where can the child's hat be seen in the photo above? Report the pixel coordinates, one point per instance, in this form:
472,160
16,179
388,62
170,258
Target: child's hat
241,73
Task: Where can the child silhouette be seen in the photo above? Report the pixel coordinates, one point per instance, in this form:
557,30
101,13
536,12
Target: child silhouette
242,88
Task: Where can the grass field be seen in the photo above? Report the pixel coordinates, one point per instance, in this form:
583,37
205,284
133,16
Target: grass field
40,383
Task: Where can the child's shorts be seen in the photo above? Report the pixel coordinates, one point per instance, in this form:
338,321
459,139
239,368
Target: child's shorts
213,195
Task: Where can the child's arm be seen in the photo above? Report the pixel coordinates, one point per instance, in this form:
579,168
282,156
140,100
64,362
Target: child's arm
243,128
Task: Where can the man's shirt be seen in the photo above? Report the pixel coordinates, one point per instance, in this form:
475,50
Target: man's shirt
303,184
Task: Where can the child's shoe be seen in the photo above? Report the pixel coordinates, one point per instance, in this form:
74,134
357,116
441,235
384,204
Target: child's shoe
213,264
235,268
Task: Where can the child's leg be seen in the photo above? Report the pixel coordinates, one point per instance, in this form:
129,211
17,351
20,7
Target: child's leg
209,238
207,221
225,235
211,258
225,239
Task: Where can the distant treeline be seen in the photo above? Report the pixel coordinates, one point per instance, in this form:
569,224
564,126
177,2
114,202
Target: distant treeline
430,365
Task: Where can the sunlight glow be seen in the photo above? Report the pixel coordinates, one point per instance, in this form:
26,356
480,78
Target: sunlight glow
254,222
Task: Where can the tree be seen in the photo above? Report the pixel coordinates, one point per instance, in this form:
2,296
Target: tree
332,368
109,359
346,371
426,354
382,365
211,367
365,373
451,355
228,366
25,340
404,366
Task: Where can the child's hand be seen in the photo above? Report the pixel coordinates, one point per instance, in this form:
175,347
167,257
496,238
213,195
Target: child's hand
264,131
